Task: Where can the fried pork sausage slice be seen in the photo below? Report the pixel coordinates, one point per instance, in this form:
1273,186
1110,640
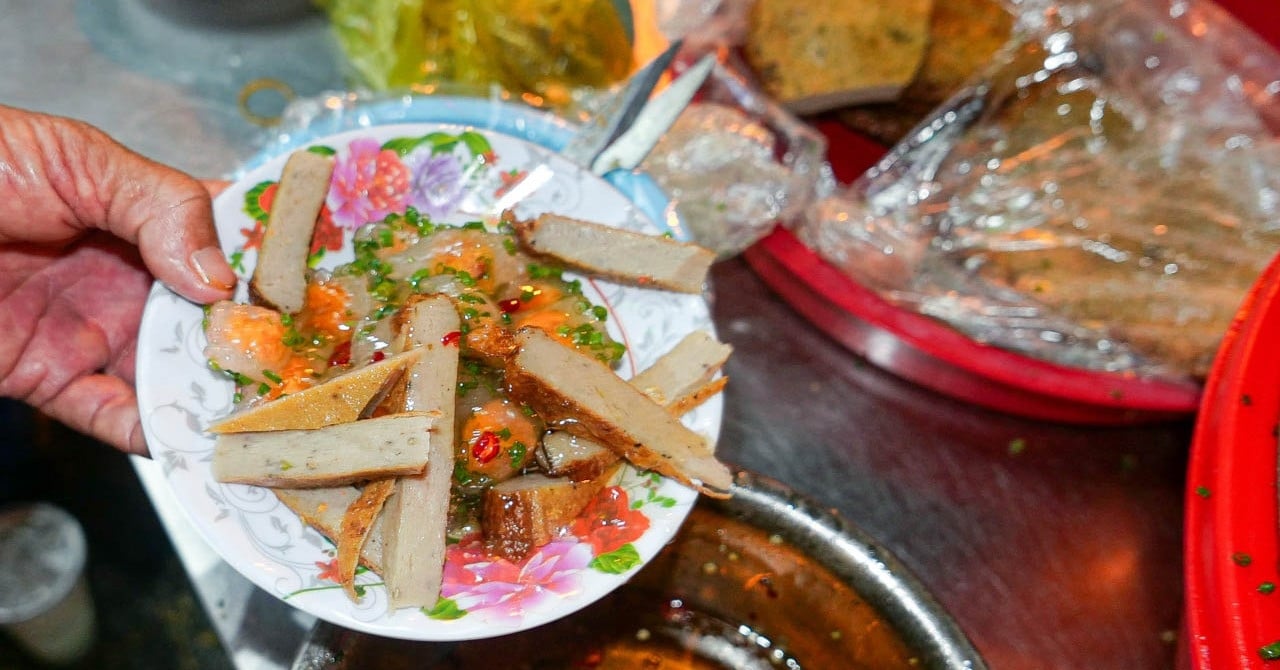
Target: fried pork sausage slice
325,508
628,257
346,453
526,512
416,516
684,377
357,524
577,458
280,276
679,380
341,399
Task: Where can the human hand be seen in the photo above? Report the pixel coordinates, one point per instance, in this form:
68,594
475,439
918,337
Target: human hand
85,225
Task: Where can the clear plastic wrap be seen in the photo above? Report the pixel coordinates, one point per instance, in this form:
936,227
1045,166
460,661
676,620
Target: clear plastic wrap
1102,196
735,163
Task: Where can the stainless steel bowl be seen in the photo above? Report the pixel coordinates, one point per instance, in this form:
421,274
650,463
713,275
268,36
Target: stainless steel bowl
765,579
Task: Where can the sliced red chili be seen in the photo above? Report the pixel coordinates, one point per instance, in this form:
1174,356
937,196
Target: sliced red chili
378,355
509,305
341,355
451,338
486,447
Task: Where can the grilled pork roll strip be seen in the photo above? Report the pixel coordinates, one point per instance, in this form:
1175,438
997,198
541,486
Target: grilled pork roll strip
417,515
280,276
588,399
396,444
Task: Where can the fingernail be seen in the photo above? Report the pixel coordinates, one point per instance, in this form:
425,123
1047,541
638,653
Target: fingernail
138,443
212,267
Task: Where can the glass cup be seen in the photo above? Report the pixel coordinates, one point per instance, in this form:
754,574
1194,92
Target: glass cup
44,597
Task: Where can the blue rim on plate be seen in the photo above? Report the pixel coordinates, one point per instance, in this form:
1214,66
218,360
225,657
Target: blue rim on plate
539,126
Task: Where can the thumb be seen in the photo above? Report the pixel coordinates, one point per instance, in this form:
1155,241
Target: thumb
66,177
169,215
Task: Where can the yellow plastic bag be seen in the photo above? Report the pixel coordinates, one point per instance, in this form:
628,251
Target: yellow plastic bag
542,47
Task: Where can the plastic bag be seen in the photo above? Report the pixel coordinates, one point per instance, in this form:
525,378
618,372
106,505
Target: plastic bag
735,164
545,48
1102,196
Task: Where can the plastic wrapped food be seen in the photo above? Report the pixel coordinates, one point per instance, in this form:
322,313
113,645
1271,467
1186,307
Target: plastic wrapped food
545,48
1101,197
735,163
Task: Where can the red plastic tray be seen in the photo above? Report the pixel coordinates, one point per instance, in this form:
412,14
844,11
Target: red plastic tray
1232,534
1232,530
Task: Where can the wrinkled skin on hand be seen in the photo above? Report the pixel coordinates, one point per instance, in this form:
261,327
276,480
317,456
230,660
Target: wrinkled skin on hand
85,226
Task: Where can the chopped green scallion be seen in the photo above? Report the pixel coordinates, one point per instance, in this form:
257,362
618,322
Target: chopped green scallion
518,451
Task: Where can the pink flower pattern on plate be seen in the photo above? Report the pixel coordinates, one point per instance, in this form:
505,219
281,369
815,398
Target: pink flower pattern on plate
478,581
367,185
438,185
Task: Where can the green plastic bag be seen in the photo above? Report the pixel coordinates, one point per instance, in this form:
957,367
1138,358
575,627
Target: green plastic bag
545,48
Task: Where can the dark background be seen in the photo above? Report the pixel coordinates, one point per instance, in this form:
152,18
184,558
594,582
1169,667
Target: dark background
147,613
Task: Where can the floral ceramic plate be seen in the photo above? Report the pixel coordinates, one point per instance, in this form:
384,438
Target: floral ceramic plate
456,174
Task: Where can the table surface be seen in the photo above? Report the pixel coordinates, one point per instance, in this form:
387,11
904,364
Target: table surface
1063,551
